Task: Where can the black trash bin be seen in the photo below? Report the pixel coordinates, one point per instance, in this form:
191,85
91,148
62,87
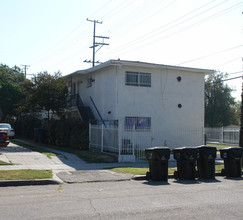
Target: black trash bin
186,163
39,134
158,163
36,131
232,161
206,162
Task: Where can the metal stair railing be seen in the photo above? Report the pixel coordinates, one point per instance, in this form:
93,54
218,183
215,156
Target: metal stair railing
85,112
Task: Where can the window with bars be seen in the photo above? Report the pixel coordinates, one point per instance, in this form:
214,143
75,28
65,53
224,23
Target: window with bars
138,79
138,123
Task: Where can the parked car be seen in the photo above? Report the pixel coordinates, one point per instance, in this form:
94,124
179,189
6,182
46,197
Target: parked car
4,138
4,127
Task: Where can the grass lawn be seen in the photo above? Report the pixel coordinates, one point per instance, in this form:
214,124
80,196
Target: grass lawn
220,146
5,163
95,157
144,170
25,174
86,155
136,170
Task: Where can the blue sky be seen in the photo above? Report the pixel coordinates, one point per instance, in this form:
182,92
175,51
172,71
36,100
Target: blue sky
52,35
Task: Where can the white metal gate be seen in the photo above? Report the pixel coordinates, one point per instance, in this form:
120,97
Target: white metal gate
113,139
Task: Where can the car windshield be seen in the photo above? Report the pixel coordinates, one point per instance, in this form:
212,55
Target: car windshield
5,126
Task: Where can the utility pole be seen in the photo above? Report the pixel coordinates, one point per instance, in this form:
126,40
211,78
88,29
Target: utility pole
25,69
96,44
241,116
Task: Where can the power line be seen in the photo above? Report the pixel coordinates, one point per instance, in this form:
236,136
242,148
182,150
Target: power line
227,62
149,36
235,72
232,78
212,54
158,31
136,13
33,60
115,10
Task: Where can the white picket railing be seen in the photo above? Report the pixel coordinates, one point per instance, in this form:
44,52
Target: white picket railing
130,143
104,138
222,135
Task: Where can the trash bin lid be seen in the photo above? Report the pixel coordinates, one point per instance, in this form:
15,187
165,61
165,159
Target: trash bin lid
205,150
206,147
233,152
185,149
158,149
157,153
185,152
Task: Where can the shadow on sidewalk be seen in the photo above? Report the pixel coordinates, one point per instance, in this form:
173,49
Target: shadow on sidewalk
156,183
12,148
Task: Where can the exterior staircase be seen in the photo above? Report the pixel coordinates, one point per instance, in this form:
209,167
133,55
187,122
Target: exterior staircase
84,111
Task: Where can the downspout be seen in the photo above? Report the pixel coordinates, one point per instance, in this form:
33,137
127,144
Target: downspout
118,68
116,92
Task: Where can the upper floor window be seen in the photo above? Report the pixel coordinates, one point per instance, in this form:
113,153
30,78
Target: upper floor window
138,79
89,82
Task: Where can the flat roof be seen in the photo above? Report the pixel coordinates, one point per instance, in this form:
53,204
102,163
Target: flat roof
138,64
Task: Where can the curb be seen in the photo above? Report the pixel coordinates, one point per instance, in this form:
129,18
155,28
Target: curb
28,182
96,181
144,177
170,176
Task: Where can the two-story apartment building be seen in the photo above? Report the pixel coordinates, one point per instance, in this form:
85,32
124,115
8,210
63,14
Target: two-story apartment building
141,96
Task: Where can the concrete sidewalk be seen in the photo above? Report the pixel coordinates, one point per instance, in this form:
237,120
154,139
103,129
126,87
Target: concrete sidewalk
66,167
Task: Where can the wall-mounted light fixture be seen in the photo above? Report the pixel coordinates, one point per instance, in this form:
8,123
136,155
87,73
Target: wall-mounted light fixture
178,78
179,105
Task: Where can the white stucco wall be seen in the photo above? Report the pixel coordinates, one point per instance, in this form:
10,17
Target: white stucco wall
102,92
160,101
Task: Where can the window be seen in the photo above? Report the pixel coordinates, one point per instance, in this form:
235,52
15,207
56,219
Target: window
138,79
138,123
145,79
132,78
89,82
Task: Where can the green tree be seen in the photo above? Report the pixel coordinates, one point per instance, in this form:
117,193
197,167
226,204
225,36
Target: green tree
10,92
51,91
219,104
28,103
13,75
46,93
236,111
10,95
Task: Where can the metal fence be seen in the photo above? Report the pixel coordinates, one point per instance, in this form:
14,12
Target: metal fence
104,139
222,135
129,144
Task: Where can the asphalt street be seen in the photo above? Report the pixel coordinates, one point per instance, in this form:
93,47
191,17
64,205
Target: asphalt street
95,193
219,199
